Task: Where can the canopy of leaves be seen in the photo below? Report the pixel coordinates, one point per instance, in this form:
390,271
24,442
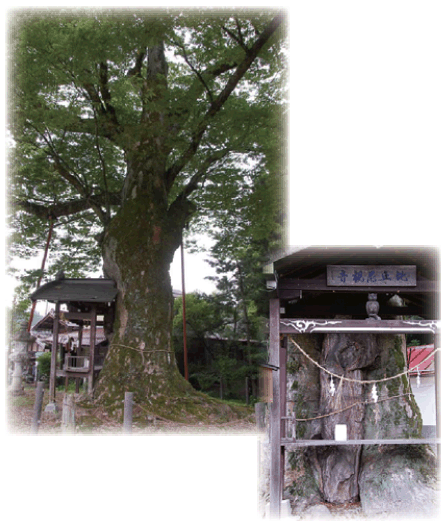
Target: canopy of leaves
84,98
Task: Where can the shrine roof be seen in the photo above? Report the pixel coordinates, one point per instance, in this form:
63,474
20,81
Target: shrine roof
77,290
46,324
310,280
311,261
418,354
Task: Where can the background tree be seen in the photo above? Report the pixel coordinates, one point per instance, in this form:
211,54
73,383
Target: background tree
220,357
126,127
236,313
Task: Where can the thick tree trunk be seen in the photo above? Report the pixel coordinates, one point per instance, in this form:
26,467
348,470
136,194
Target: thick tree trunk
138,248
346,355
344,474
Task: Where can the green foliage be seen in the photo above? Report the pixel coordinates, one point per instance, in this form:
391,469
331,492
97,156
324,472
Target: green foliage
204,315
83,100
44,366
236,350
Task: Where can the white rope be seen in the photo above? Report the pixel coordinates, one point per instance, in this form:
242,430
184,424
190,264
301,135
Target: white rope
359,403
359,381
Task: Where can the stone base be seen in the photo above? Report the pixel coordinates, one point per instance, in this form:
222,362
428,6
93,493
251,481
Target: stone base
285,509
51,408
318,512
400,483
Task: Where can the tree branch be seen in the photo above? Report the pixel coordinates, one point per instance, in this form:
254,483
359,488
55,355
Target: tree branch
237,38
201,173
90,127
251,55
100,100
136,70
94,97
105,93
68,208
217,104
197,73
181,208
69,177
104,178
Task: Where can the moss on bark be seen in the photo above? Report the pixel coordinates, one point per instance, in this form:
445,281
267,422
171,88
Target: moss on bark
138,248
377,356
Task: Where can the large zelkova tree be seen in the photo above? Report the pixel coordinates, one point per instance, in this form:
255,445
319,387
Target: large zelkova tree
127,127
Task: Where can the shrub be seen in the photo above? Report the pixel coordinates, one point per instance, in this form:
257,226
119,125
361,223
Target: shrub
44,366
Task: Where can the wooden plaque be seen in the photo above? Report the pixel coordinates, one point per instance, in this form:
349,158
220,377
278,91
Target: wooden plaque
360,276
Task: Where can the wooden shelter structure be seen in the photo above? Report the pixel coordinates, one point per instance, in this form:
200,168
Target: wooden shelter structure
89,301
313,289
47,324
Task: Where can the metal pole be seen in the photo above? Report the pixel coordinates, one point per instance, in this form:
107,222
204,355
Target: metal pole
128,413
186,370
37,408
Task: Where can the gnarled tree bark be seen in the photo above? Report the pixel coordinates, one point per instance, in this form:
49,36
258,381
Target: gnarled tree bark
347,473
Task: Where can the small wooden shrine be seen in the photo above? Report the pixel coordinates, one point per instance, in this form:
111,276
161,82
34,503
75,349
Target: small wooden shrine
317,289
89,304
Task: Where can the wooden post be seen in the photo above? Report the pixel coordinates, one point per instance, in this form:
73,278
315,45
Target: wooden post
61,356
437,364
92,350
37,408
79,345
275,471
260,411
54,354
282,381
68,414
128,412
79,351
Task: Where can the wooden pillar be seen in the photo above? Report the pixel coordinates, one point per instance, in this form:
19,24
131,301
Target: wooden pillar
79,346
437,365
52,392
283,396
92,344
79,352
276,480
61,356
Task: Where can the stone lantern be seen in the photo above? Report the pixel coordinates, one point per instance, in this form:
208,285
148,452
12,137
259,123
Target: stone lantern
19,356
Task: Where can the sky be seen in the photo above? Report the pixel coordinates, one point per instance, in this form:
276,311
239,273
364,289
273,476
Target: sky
196,269
366,164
